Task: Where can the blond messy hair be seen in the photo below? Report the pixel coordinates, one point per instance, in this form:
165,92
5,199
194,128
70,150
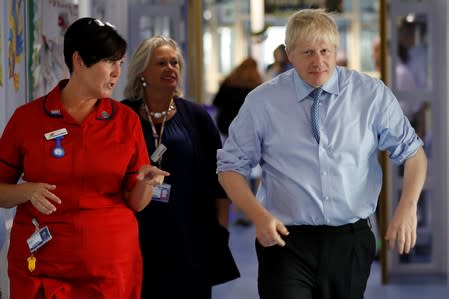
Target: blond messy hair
311,25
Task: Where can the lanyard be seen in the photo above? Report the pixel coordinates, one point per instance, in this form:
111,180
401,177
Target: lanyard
156,137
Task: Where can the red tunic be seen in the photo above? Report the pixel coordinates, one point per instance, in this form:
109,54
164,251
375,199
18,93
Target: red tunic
95,251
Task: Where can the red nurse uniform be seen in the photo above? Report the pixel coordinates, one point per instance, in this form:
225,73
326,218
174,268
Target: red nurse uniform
95,251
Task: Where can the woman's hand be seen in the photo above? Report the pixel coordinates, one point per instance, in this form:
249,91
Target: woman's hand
148,176
40,196
151,175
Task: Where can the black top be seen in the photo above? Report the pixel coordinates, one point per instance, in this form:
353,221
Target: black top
183,245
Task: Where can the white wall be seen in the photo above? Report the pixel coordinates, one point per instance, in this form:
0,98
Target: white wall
116,13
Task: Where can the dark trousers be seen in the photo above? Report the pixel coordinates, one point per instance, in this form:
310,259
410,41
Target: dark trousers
318,262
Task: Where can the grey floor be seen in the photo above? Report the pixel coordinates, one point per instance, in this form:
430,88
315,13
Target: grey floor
242,246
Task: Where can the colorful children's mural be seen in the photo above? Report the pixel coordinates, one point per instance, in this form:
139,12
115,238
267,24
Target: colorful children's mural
15,41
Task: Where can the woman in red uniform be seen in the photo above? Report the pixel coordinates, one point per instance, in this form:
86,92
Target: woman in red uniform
85,171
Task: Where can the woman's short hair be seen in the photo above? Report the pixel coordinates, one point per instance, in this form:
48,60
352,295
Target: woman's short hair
94,40
311,25
139,62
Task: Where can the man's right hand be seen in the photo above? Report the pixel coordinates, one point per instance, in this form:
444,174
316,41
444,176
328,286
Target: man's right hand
269,231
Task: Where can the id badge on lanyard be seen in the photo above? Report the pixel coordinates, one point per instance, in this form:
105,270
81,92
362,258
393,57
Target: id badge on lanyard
39,238
161,193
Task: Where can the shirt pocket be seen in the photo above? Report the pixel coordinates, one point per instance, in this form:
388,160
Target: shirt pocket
42,165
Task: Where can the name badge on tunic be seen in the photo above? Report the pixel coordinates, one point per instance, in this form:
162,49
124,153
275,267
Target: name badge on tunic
55,134
161,193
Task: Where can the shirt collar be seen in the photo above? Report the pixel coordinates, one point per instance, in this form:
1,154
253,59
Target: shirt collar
303,89
104,108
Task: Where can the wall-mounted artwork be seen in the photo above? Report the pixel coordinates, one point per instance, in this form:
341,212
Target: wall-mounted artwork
14,61
16,42
49,21
3,26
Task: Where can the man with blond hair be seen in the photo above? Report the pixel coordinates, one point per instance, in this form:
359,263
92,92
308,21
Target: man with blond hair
316,131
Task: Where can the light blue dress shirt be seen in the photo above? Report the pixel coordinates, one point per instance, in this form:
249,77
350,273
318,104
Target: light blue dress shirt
332,183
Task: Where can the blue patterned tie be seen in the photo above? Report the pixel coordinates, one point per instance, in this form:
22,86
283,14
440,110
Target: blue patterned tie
315,112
